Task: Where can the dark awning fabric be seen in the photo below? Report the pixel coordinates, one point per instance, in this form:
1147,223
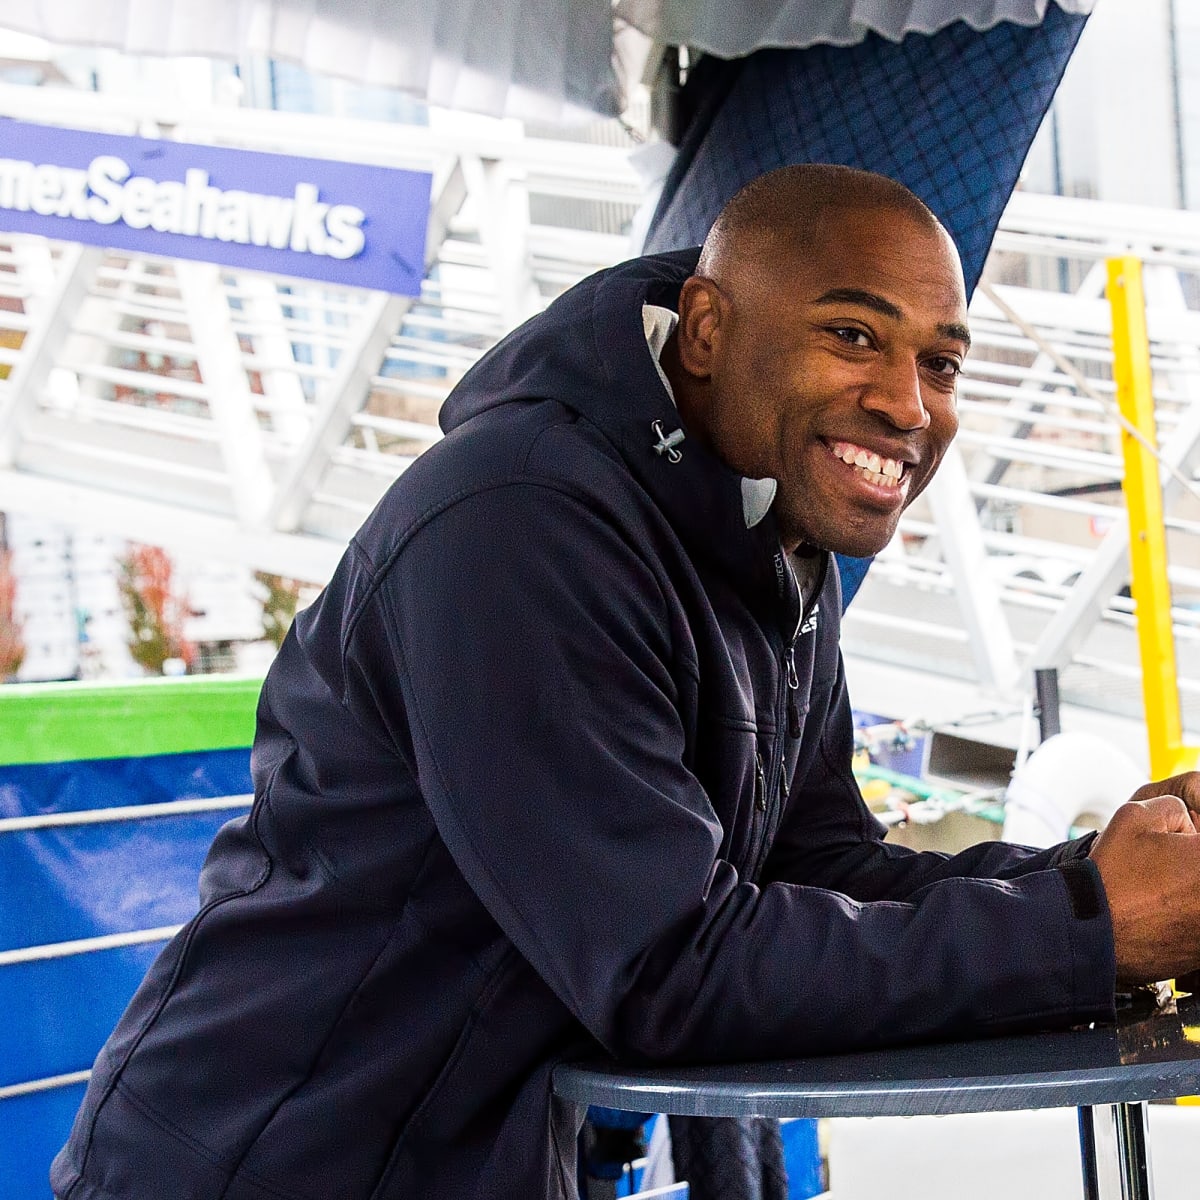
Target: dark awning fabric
951,116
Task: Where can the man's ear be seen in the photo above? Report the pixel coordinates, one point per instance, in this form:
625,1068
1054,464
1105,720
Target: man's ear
701,306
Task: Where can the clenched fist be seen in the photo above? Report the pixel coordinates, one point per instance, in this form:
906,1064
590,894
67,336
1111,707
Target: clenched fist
1149,861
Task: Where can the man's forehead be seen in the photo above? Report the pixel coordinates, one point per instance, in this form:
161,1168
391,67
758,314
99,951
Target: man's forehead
874,253
884,251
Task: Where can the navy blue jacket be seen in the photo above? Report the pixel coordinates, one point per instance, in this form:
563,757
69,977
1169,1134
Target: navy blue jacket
530,778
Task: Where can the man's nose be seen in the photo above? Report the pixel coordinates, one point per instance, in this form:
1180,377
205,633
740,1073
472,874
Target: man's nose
896,396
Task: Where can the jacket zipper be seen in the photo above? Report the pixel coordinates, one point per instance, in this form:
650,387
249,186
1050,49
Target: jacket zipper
793,686
789,707
789,661
760,783
793,679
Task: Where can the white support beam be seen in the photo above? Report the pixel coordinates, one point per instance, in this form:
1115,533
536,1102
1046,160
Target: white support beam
984,466
1108,569
43,345
282,387
36,272
360,361
344,396
988,632
182,531
501,204
230,399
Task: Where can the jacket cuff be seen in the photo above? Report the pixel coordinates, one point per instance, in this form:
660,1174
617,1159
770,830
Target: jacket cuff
1091,936
1084,888
1079,847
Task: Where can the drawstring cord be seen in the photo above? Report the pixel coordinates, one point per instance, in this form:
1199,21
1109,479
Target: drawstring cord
667,441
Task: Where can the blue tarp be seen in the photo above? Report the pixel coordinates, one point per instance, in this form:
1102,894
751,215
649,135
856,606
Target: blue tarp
83,881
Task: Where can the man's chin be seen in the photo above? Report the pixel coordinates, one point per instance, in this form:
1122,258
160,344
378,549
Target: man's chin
860,544
853,531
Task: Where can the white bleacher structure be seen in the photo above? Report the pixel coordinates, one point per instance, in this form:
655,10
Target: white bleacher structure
256,419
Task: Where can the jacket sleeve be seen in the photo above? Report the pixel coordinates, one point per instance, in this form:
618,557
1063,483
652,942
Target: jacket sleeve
829,838
526,650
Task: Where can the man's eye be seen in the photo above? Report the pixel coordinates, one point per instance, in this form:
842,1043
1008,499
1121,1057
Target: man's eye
944,366
850,335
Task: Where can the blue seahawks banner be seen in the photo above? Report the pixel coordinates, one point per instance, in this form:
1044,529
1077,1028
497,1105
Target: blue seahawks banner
345,223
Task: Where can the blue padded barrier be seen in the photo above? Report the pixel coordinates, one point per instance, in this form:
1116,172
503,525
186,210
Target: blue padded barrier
83,881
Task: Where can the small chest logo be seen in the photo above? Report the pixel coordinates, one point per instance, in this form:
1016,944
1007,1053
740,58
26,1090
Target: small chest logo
781,573
810,622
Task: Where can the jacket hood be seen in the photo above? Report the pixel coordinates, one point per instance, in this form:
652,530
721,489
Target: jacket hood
588,352
583,349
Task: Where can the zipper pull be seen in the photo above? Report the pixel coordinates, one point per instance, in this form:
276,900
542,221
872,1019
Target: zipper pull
793,682
760,783
795,729
784,790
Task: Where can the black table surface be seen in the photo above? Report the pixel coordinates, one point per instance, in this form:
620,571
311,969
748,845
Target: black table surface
1149,1054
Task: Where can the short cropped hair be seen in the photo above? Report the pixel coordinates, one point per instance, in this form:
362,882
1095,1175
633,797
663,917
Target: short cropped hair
787,202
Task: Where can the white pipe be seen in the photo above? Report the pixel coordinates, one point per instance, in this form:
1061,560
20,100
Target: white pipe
1066,776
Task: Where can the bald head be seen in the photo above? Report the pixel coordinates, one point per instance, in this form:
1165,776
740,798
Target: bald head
819,345
786,211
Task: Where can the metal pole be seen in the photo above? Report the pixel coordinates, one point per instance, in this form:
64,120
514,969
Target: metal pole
1133,1151
1045,681
1114,1152
1087,1153
1143,499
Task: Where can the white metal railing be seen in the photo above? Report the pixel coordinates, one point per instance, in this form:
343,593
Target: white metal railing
109,941
126,812
1041,442
340,388
47,1083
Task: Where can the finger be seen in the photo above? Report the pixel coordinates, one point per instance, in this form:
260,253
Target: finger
1186,786
1167,814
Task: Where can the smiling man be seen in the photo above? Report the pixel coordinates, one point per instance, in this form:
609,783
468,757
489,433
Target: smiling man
561,756
822,351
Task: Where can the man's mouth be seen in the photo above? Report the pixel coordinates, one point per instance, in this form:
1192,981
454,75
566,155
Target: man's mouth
884,472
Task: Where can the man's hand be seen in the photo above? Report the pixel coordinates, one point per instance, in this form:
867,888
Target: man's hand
1149,861
1185,786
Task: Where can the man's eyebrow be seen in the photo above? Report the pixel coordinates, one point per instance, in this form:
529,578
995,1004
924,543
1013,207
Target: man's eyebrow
955,330
856,296
876,302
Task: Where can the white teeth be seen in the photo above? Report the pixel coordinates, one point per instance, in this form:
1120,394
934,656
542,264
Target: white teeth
880,470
